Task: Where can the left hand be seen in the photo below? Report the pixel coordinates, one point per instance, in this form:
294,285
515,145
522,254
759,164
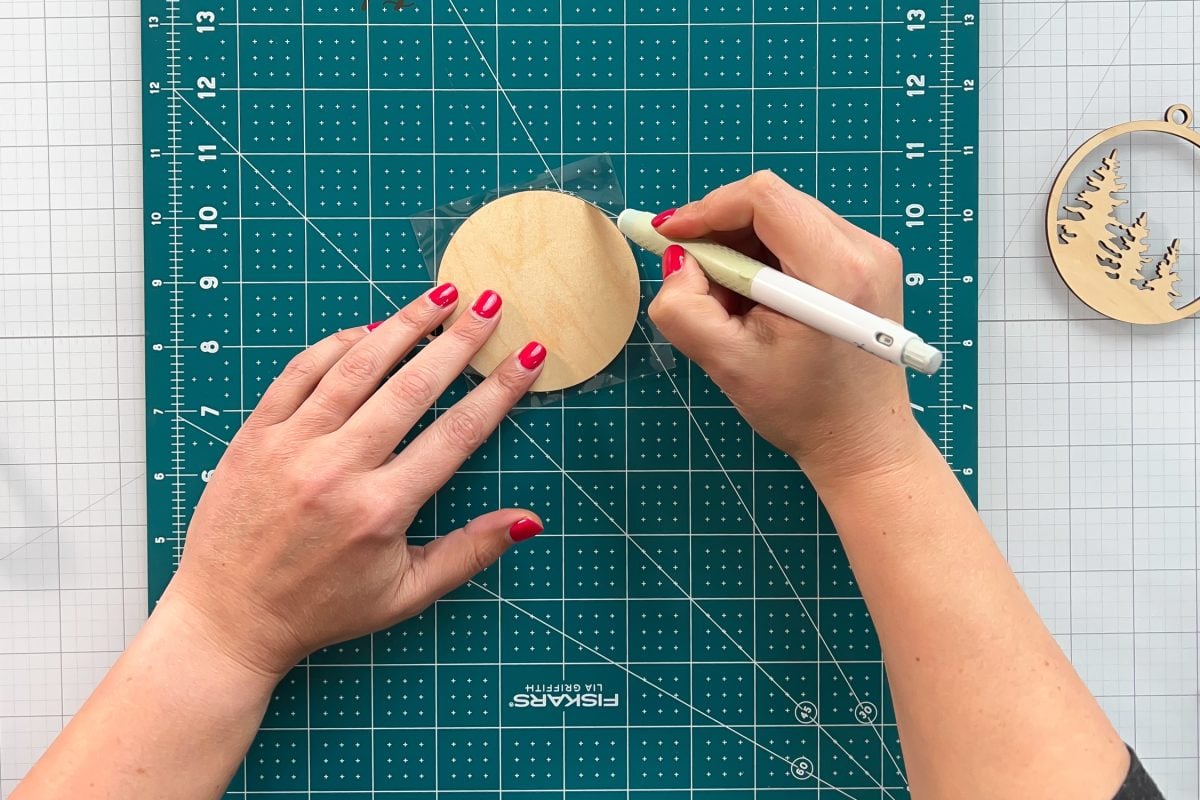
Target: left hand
299,540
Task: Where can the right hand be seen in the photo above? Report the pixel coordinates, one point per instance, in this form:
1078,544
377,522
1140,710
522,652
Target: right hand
835,409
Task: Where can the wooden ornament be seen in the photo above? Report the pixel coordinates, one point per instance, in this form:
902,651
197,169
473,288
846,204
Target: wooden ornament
1103,259
566,275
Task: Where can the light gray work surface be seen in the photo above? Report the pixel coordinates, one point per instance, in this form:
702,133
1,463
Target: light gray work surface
1088,427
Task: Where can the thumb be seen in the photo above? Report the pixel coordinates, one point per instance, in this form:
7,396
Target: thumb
451,560
687,311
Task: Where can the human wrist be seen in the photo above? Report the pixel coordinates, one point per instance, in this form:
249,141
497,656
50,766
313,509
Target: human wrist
864,451
212,643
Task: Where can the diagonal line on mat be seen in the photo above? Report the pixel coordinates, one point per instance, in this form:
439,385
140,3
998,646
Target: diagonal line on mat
303,216
187,421
778,563
999,260
660,689
567,475
507,99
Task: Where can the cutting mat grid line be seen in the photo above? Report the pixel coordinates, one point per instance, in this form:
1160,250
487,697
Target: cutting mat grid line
333,189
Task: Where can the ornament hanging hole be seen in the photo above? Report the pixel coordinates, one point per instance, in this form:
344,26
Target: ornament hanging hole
1179,114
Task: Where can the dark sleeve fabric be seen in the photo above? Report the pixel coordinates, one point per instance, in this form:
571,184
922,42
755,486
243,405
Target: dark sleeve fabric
1138,785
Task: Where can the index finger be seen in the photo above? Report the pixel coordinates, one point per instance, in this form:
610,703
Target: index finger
791,224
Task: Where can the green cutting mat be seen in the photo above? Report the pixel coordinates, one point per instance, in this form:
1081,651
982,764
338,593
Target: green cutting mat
688,623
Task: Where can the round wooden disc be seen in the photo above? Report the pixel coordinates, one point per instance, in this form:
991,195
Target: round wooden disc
565,273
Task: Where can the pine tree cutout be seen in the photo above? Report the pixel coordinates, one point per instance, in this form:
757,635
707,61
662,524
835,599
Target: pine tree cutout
1111,260
1165,276
1123,255
1097,202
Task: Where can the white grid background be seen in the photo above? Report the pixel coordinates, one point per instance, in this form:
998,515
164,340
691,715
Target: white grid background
72,518
1088,428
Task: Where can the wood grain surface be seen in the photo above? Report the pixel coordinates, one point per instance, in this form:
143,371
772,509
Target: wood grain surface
567,277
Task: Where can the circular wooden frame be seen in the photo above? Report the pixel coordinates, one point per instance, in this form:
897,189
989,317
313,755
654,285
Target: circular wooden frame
1085,278
567,277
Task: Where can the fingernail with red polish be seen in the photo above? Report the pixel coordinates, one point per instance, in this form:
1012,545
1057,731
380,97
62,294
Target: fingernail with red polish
663,217
672,260
444,295
373,326
532,355
524,528
488,304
